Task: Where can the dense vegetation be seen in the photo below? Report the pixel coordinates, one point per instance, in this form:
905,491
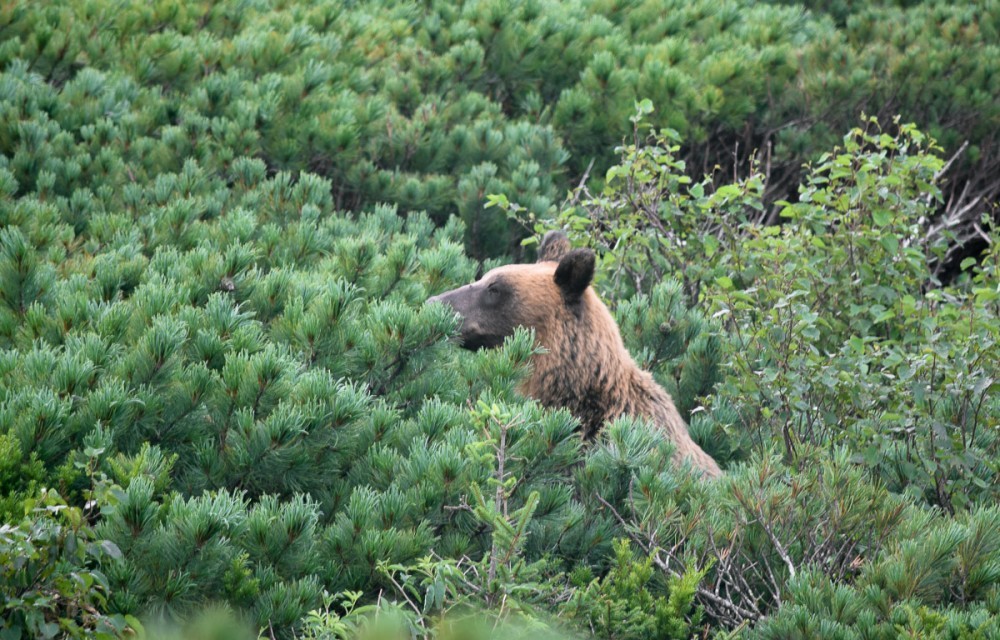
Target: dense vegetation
220,387
432,105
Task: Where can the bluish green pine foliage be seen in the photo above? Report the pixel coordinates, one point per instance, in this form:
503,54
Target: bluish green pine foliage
433,105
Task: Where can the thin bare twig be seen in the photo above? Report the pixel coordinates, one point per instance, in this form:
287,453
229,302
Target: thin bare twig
778,546
581,187
951,161
402,592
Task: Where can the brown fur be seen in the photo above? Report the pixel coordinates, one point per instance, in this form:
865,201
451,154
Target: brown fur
586,368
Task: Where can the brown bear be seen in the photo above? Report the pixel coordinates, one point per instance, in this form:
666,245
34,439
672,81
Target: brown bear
586,368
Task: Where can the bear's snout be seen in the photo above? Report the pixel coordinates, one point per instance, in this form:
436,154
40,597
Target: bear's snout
477,330
449,298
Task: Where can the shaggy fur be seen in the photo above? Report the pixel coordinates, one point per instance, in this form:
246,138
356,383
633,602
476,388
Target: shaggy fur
586,368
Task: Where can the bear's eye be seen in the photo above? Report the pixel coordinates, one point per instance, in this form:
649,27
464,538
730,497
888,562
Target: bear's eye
494,292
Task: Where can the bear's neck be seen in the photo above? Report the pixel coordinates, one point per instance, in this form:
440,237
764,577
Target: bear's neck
589,372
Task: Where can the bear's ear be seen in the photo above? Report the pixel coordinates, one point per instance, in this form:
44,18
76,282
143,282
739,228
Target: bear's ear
553,247
574,273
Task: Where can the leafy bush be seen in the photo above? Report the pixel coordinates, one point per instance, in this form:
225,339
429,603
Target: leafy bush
838,331
838,336
50,583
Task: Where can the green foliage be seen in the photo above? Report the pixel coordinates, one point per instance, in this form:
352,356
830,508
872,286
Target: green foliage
920,588
282,412
622,605
216,360
433,106
836,335
18,477
50,583
354,621
749,532
390,623
114,95
838,332
214,623
678,344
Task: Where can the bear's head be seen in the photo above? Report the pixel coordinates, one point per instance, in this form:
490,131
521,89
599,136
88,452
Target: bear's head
541,296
